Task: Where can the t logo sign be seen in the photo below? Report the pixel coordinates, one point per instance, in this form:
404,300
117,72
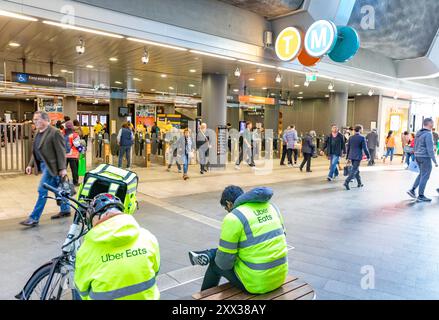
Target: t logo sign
288,44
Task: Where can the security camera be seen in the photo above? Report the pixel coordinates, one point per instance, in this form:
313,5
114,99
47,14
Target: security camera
80,49
145,57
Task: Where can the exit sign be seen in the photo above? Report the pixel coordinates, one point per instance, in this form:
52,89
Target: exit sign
311,77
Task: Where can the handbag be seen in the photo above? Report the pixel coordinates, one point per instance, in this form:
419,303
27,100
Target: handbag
408,149
82,165
347,170
413,166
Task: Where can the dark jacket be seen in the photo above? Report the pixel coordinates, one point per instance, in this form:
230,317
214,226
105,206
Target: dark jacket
308,145
424,145
339,147
125,137
356,147
372,140
52,148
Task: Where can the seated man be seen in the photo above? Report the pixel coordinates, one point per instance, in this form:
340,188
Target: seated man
252,251
118,259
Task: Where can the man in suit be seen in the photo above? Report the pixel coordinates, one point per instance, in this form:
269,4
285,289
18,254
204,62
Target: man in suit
355,148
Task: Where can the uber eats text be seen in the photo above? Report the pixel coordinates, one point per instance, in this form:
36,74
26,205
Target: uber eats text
129,253
263,215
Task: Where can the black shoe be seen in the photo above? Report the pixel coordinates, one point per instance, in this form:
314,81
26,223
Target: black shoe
202,172
346,185
61,215
360,185
308,170
29,222
199,257
329,179
205,170
423,199
412,193
283,164
301,169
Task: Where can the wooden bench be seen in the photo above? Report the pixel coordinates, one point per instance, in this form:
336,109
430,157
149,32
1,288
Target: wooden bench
292,289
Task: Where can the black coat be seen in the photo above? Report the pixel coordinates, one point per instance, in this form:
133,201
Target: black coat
339,147
356,147
308,145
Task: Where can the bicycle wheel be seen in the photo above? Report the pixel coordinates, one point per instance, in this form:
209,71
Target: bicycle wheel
58,289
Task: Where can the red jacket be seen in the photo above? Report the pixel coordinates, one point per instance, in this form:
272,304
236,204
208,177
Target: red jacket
74,153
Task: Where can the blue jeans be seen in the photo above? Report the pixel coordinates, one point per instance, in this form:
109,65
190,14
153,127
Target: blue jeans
409,157
42,193
185,163
390,152
127,151
425,168
333,167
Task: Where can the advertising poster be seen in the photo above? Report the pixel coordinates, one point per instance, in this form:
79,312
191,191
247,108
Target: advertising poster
145,114
54,107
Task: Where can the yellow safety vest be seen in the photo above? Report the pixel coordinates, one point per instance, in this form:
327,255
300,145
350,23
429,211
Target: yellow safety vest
255,233
118,261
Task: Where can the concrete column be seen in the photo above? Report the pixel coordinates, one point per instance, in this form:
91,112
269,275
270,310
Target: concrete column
70,107
118,98
233,117
271,118
214,100
338,109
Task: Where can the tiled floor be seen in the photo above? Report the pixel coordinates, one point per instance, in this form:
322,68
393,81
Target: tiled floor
339,237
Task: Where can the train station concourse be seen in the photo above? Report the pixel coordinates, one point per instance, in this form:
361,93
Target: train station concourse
219,150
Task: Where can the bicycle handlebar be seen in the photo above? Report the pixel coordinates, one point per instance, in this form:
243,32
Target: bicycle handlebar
63,194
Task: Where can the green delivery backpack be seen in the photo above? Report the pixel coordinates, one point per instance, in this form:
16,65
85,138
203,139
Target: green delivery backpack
110,179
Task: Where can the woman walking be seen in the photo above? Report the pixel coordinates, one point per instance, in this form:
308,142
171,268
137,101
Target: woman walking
308,149
185,147
390,147
409,150
72,141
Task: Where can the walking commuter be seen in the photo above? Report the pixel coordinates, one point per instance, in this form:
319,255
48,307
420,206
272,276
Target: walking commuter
290,137
72,141
284,147
185,151
356,146
335,148
247,147
86,132
77,128
118,260
203,146
410,148
390,146
373,143
173,137
49,158
125,140
405,140
424,155
258,264
308,149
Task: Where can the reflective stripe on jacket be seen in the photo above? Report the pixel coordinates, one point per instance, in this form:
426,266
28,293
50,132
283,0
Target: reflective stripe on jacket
255,233
118,260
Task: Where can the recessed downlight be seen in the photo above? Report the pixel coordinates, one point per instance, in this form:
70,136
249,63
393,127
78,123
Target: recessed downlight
14,44
113,59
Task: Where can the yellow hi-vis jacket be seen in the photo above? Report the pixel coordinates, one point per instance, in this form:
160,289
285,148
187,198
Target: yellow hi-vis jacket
118,260
254,232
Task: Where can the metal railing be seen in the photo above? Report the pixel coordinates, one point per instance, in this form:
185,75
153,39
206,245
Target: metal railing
16,147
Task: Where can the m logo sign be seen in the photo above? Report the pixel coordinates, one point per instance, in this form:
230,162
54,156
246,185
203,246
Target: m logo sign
320,38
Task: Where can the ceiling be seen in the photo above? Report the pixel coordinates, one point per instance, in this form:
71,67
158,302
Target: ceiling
267,8
41,43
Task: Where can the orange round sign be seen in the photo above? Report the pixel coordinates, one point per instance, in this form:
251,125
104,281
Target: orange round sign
307,60
288,43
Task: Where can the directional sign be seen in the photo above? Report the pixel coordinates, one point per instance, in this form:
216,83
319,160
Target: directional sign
288,44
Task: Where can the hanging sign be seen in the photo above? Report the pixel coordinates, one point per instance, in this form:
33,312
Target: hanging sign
38,79
322,38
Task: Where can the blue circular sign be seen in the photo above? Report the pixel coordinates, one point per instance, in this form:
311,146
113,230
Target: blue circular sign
320,38
347,45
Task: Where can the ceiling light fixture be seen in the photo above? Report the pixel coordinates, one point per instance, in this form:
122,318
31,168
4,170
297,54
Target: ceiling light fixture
89,66
278,78
96,101
14,44
152,90
16,15
235,90
264,88
191,85
157,44
64,70
371,92
327,96
80,49
137,79
113,59
301,92
73,27
212,55
306,83
163,75
237,72
300,98
117,82
251,79
331,86
171,88
359,94
145,57
192,70
296,85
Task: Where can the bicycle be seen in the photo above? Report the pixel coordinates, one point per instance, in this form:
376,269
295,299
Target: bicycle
54,280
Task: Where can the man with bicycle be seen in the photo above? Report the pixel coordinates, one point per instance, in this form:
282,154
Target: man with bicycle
118,259
48,157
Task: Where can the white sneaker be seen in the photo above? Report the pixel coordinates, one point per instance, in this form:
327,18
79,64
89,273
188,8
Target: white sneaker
237,167
290,166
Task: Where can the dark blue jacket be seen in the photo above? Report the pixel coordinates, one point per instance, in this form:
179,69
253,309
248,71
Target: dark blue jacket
256,195
356,146
126,137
